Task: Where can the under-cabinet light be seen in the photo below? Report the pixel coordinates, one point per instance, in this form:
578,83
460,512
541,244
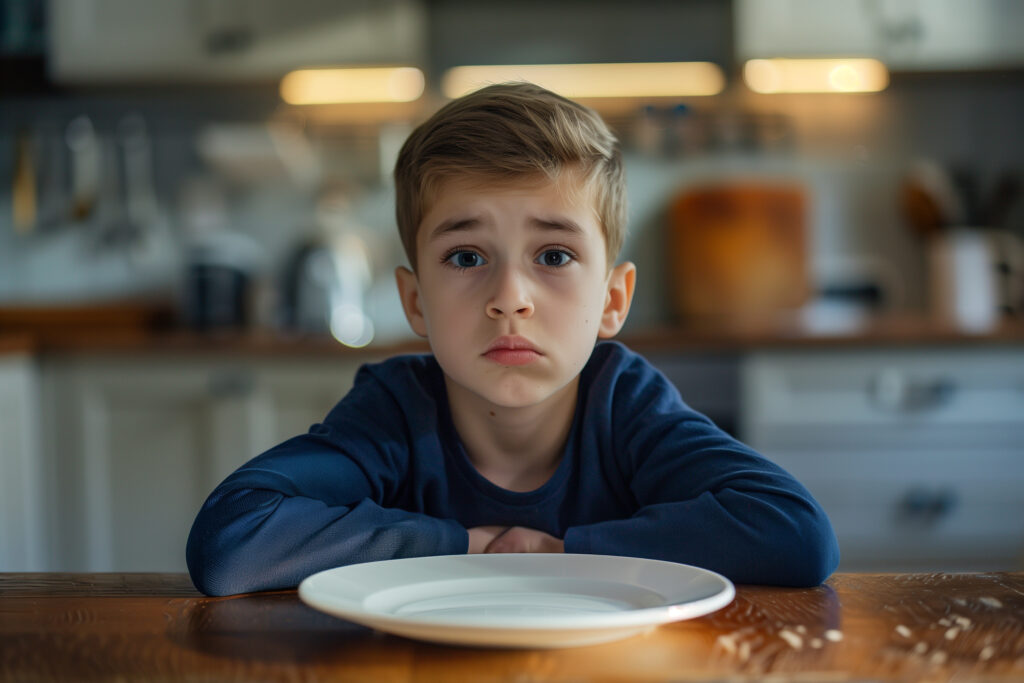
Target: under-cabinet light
621,80
352,85
815,75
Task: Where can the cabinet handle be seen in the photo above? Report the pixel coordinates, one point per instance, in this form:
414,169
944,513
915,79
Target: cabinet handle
925,505
892,391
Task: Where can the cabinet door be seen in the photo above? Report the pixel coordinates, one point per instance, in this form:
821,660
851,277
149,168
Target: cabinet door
194,41
138,444
135,456
21,494
933,35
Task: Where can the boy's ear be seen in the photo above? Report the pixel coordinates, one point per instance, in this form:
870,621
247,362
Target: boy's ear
409,292
621,282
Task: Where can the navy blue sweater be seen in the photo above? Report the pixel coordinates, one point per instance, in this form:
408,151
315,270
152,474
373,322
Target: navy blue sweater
385,476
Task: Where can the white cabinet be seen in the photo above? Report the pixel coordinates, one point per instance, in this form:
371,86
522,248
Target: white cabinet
905,34
137,443
916,455
226,40
22,510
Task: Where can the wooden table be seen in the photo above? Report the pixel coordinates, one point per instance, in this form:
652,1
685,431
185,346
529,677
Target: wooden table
124,627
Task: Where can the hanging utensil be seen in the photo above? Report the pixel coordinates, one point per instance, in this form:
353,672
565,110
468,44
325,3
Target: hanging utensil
24,197
53,190
86,161
140,195
115,229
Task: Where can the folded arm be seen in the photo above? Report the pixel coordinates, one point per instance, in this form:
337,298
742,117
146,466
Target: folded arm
327,498
706,499
251,539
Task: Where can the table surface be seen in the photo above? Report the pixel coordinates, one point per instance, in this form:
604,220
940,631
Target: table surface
124,627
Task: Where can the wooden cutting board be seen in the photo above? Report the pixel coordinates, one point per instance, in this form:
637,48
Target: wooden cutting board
738,250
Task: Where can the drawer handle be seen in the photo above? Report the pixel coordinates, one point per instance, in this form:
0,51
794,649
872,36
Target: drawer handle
893,391
923,505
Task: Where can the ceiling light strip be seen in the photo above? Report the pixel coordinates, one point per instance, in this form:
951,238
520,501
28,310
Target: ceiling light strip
616,80
352,85
815,75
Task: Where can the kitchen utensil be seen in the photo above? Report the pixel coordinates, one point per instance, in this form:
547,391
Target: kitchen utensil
1006,197
23,193
921,209
114,227
86,166
738,249
53,180
930,199
140,194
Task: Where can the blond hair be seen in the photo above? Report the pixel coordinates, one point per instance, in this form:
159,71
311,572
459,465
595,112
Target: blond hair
510,132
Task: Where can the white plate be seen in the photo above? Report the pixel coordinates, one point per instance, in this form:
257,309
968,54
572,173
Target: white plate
517,600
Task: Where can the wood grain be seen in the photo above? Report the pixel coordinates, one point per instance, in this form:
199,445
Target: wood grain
102,627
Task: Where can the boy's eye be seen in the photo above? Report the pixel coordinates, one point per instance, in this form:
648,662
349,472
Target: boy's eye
465,259
554,258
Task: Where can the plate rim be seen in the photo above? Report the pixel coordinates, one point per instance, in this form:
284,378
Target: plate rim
345,608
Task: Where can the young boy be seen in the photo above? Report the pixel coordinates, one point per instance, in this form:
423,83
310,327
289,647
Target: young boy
518,433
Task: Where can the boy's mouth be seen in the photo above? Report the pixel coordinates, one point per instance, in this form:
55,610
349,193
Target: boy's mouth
512,350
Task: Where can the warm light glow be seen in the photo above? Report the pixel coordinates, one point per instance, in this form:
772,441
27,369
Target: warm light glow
652,79
815,75
355,85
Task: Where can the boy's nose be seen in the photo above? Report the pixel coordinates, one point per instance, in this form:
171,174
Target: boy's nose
511,298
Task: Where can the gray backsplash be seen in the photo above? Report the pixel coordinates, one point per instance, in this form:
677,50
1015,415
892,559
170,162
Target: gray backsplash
851,151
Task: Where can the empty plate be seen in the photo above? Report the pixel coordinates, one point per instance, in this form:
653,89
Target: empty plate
517,600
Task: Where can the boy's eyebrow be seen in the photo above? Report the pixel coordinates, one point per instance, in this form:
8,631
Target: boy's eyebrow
450,225
454,225
560,224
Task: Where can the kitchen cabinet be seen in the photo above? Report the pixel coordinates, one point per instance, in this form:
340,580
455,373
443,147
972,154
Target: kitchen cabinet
138,442
909,36
196,41
917,456
21,510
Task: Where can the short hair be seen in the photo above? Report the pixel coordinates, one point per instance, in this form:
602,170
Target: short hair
508,132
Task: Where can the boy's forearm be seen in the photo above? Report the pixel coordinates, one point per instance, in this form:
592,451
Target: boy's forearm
262,540
753,539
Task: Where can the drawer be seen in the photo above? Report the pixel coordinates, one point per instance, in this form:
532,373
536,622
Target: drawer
916,456
934,387
918,504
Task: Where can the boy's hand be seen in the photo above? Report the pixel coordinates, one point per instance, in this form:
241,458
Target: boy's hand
481,536
519,539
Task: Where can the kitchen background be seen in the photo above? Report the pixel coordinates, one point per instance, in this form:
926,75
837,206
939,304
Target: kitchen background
191,267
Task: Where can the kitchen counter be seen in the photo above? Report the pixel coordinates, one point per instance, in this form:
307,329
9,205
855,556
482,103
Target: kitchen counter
12,343
891,332
925,627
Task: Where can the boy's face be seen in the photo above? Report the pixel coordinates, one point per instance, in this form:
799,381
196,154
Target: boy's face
512,287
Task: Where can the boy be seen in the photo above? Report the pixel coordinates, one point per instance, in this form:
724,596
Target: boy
518,433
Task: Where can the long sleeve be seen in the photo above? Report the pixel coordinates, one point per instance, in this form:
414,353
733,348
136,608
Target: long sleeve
702,497
328,498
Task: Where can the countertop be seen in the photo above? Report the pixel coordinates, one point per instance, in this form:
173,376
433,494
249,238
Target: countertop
128,328
884,627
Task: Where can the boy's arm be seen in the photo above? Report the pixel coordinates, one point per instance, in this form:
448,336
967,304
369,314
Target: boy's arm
316,501
706,499
263,530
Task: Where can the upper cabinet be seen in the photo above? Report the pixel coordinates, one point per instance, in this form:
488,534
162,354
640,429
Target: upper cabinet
908,35
197,41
